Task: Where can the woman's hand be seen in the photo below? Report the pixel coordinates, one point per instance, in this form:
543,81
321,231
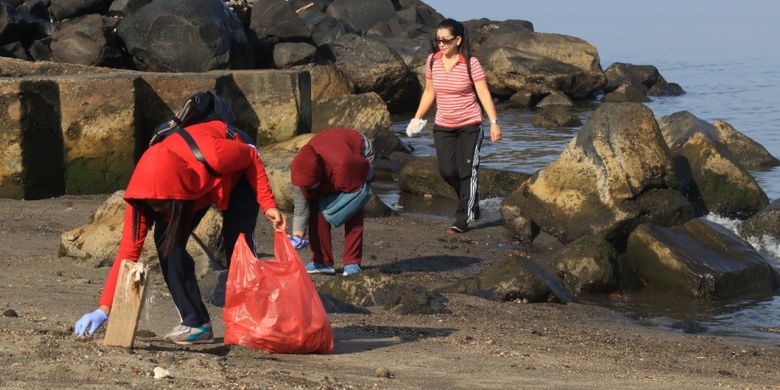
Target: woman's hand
495,132
277,218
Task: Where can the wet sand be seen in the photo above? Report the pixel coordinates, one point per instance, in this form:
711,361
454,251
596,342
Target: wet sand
481,344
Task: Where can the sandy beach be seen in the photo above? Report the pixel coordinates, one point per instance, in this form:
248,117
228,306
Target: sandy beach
481,344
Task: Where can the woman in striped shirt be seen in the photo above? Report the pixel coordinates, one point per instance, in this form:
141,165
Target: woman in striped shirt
457,133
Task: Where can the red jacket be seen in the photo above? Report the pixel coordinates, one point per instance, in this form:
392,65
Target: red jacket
334,158
169,170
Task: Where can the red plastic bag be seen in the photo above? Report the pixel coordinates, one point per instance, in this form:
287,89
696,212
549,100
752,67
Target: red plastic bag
272,305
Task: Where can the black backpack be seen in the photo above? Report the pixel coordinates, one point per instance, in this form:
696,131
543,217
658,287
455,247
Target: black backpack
201,107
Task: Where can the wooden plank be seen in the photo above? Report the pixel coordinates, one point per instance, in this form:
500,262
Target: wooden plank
128,298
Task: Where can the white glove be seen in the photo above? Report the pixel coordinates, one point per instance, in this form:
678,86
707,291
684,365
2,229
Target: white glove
415,127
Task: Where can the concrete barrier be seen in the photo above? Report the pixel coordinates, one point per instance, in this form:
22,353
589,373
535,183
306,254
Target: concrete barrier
81,134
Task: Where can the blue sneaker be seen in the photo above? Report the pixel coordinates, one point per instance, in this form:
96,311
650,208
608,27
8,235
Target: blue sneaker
351,269
314,268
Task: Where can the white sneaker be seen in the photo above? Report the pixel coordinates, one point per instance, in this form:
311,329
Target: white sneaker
186,335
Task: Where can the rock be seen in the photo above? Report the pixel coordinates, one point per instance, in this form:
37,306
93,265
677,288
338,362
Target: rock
10,313
640,76
420,175
185,36
328,81
287,55
663,88
22,25
764,223
418,300
40,51
276,18
160,373
390,28
524,98
96,244
586,266
413,51
333,305
328,30
689,326
593,185
86,41
626,93
372,66
375,208
361,14
64,9
368,288
699,259
555,117
555,98
541,63
506,280
714,182
521,228
430,18
365,112
277,159
679,127
748,152
382,372
479,30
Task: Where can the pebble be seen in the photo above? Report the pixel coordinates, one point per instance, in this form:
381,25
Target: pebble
382,372
160,373
10,313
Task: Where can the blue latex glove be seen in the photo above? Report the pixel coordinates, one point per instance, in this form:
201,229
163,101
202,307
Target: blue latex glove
93,321
298,242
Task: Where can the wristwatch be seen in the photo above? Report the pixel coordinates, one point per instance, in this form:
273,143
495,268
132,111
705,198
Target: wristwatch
494,121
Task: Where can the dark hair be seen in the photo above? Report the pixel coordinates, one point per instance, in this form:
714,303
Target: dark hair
458,30
178,228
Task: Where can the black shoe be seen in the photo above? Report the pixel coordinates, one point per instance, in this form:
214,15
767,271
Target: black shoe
460,226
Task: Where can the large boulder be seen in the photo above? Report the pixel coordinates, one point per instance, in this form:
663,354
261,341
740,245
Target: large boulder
96,244
64,9
507,280
541,63
698,259
480,30
22,26
556,116
277,159
289,54
371,65
361,14
715,182
328,30
376,289
595,185
626,93
645,78
276,18
748,152
764,223
423,13
678,128
365,112
185,36
10,68
328,81
86,41
421,175
586,266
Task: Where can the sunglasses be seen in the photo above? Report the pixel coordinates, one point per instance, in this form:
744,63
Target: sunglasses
440,41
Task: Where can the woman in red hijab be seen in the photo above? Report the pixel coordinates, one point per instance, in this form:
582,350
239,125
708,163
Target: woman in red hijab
334,161
171,190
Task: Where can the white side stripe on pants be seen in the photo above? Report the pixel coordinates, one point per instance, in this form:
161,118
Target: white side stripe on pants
473,184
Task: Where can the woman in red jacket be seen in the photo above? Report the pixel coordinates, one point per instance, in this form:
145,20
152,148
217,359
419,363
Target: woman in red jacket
333,161
171,190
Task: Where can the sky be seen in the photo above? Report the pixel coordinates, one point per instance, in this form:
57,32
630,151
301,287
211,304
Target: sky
663,30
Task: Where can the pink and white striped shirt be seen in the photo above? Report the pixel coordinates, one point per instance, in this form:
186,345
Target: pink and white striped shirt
456,102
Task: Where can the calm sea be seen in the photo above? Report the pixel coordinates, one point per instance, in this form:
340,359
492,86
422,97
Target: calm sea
718,51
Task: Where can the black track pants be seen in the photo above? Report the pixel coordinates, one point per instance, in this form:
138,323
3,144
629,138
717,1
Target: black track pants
457,153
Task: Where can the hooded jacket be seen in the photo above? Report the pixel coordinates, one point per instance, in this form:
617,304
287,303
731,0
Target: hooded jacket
335,159
169,170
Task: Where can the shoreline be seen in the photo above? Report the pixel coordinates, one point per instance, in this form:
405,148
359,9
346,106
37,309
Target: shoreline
481,344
